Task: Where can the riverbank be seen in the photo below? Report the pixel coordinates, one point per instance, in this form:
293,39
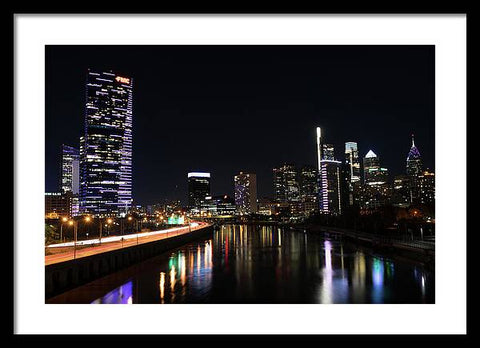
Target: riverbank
415,250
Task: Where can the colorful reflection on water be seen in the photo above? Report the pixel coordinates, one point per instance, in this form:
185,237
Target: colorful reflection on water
121,295
265,264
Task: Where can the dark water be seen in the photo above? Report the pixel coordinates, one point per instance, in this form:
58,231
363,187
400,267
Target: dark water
264,264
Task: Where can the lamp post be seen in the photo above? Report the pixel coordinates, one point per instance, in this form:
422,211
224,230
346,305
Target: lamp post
109,221
100,223
75,227
130,219
75,233
121,229
64,219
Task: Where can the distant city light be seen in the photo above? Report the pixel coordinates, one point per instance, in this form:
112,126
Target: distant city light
198,175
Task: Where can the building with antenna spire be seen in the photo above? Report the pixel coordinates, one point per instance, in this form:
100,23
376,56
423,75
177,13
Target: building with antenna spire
414,170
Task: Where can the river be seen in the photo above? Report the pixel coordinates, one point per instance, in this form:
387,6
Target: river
263,264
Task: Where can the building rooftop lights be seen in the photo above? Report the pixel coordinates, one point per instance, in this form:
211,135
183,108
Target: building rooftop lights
198,175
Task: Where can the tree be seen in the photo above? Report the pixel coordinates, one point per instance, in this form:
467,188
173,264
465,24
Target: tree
50,234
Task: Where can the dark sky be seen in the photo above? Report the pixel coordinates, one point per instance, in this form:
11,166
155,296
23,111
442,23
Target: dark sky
224,109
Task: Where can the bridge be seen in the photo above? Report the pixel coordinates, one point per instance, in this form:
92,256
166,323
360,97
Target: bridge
61,252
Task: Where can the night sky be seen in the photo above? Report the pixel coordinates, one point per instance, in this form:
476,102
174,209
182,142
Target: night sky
225,109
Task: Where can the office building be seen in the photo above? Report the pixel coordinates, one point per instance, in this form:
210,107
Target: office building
246,193
198,189
58,205
308,189
285,184
329,177
308,184
70,170
401,191
426,183
414,170
376,191
352,177
106,146
219,206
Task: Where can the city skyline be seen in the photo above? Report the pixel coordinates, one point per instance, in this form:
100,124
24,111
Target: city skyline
276,140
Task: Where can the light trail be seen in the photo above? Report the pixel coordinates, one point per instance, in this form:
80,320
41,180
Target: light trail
119,238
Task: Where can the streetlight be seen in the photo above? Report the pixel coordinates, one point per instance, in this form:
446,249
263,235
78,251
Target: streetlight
130,218
75,227
109,221
64,219
88,219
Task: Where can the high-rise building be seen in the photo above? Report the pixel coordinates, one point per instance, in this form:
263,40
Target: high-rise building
351,173
352,161
329,177
198,189
308,189
308,184
426,183
246,193
401,191
376,191
371,163
285,184
106,146
70,178
414,170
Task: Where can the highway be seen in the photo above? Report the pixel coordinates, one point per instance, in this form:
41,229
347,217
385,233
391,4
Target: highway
61,252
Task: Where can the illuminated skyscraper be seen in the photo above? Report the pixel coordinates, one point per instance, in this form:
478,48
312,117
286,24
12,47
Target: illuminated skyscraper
414,170
329,178
246,193
285,184
426,186
352,160
351,173
198,189
308,184
70,170
106,146
371,164
376,189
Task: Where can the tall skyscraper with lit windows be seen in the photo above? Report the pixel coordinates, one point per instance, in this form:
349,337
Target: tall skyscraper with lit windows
414,171
246,193
198,189
329,177
106,145
351,173
285,184
70,178
376,191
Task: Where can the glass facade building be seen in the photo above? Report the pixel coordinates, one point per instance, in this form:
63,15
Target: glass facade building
70,178
376,191
414,171
198,189
308,184
285,184
329,178
106,146
426,183
352,174
246,193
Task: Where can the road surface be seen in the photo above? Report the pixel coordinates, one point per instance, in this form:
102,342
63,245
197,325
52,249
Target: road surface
61,252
